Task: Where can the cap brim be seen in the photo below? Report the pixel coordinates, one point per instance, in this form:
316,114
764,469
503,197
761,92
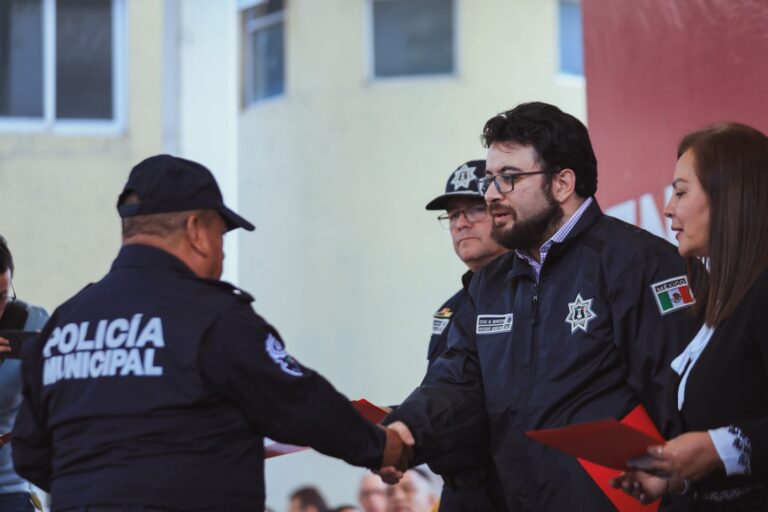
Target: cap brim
233,220
439,202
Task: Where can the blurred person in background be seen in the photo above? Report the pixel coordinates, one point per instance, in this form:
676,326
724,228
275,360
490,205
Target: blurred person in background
346,508
415,492
14,315
372,494
307,499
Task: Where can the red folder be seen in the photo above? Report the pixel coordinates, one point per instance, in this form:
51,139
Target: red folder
603,447
369,411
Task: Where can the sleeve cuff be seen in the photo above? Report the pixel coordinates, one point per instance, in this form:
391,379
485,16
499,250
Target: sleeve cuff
733,448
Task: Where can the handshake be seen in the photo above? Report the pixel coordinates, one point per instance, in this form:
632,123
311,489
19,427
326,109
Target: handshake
398,452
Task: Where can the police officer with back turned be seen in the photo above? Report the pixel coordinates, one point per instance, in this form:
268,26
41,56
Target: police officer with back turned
153,388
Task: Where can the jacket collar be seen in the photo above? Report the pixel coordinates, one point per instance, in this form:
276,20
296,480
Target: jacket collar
588,218
147,256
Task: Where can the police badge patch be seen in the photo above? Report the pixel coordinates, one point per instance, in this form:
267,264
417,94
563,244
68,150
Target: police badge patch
580,313
440,320
277,352
463,177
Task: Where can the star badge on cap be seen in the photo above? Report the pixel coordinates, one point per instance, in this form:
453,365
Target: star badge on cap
463,177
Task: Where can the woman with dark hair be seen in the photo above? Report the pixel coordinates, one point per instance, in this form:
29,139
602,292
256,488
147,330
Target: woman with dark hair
719,211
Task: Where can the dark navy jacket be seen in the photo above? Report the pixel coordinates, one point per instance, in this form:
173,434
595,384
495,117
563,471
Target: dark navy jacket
588,341
155,387
470,479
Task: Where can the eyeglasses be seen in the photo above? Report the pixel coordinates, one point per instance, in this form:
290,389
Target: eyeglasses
9,299
505,182
473,214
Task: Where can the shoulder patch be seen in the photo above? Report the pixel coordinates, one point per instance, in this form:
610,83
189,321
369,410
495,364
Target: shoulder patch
276,351
439,325
672,294
444,313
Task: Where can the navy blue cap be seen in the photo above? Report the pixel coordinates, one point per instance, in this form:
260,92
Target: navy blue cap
165,183
461,183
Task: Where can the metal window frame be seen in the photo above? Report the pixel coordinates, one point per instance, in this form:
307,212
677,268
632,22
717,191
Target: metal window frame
48,122
564,77
370,57
250,27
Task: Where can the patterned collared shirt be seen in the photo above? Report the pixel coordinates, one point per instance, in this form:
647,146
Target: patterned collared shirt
557,238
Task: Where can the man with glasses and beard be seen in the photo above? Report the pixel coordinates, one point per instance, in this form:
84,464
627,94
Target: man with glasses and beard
567,327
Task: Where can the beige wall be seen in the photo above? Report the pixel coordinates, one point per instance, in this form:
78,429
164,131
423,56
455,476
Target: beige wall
59,191
345,261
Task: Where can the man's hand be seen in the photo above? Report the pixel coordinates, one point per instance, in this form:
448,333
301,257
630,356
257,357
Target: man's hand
397,453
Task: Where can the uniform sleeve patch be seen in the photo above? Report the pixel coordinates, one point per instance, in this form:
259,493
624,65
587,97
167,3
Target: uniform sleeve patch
439,325
492,324
673,294
276,351
444,313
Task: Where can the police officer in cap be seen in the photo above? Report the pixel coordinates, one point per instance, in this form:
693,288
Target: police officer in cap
153,388
471,482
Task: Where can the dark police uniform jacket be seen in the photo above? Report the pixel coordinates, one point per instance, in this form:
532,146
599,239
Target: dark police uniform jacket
588,341
155,387
470,480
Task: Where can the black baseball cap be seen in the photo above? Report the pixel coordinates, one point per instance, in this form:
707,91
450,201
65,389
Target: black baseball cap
461,183
165,183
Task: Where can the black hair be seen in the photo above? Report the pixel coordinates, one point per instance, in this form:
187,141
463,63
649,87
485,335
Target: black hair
560,140
310,496
6,258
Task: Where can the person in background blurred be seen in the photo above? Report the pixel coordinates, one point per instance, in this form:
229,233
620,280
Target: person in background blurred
346,508
307,499
372,494
415,492
719,211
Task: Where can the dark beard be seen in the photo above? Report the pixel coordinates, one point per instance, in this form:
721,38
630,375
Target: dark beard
530,233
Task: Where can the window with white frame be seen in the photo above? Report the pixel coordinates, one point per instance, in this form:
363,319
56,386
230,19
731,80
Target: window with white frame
263,50
571,38
412,37
59,62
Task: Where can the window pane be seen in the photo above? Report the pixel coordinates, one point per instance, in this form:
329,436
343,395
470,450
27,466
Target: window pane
267,7
412,37
571,45
267,64
21,58
84,59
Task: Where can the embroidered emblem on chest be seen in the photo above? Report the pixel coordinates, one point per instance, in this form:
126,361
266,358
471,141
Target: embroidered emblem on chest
492,324
672,294
580,313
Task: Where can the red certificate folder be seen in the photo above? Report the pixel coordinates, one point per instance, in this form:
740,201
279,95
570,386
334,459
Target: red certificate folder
369,411
603,447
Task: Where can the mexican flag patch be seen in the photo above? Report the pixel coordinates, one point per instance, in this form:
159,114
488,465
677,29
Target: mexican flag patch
672,294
